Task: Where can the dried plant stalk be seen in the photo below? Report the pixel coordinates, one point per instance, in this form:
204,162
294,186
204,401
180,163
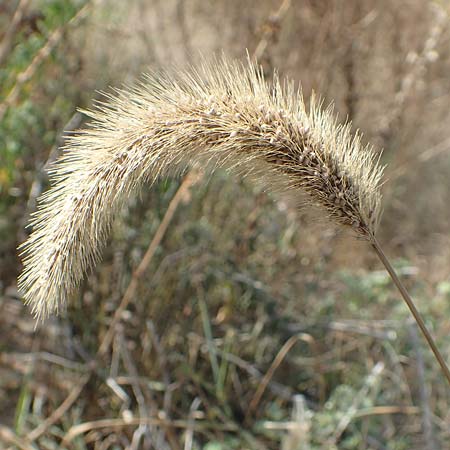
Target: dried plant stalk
223,114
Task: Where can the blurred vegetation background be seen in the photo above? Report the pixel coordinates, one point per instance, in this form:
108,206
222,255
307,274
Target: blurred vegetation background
248,326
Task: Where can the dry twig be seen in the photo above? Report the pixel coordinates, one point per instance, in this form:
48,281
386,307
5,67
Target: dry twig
53,40
8,38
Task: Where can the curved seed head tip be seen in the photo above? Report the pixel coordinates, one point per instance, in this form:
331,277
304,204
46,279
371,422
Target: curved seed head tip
167,123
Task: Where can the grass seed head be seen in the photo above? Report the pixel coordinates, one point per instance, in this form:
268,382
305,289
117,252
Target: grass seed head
222,114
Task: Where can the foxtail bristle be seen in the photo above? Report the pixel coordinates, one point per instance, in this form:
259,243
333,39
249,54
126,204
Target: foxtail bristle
223,114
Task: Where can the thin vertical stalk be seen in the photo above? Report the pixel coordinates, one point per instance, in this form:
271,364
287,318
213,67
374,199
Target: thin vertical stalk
409,301
128,296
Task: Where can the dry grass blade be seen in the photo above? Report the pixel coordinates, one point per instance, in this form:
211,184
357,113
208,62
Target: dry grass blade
370,381
222,114
82,428
8,436
275,364
60,411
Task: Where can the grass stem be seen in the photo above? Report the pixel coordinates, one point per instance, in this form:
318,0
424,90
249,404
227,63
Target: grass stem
409,301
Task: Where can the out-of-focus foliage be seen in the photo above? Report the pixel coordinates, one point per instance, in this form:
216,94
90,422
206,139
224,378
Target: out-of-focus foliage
43,103
38,95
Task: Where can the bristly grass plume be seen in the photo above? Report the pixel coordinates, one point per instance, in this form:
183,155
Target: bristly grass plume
222,114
